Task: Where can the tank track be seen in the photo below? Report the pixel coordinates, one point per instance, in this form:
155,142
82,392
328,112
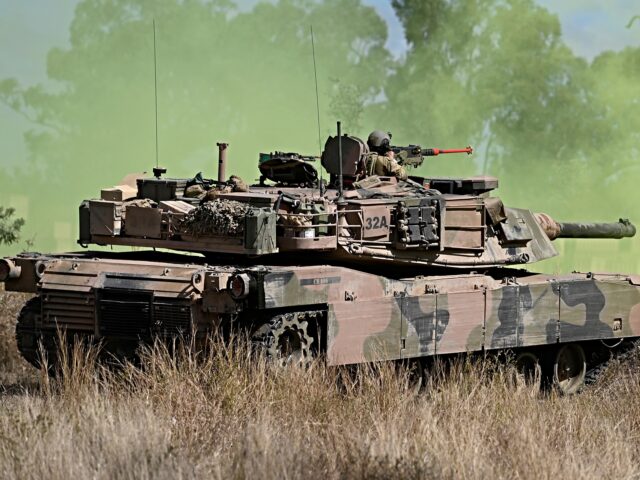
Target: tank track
623,353
267,337
27,338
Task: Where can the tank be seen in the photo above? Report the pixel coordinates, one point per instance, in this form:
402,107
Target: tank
352,268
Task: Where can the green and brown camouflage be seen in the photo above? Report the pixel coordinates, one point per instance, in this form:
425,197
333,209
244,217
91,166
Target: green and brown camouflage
391,270
368,317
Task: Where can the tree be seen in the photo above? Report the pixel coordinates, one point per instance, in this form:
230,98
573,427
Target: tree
348,104
561,133
498,74
9,226
245,77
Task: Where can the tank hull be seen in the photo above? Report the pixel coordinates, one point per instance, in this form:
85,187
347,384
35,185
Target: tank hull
349,315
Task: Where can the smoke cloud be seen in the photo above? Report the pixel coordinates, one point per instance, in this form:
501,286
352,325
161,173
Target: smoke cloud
560,132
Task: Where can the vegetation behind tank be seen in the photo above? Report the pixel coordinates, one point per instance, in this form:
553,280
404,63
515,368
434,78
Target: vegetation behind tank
560,132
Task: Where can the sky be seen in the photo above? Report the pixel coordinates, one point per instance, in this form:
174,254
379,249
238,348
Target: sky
591,26
29,28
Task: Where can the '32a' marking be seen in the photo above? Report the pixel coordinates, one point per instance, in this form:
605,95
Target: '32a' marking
374,223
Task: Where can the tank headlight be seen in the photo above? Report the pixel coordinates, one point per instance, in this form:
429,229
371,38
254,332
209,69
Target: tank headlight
8,270
239,285
41,267
197,281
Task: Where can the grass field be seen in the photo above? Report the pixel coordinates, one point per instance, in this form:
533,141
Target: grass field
222,415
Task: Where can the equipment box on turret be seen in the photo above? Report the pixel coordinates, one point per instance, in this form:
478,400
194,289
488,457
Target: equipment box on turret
160,190
463,186
105,218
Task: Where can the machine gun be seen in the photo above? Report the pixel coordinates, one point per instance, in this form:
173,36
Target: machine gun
288,168
413,155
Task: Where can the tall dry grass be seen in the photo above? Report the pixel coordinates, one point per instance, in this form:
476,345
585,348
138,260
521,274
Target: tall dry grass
13,368
222,414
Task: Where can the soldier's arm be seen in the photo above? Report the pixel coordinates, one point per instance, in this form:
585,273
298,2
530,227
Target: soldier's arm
396,169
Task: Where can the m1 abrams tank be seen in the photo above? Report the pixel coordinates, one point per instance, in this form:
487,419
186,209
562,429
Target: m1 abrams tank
368,269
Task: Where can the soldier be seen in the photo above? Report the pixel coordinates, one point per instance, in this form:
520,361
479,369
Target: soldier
382,161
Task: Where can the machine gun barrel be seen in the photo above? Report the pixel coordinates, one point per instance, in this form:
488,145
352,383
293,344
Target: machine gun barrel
413,155
623,228
432,152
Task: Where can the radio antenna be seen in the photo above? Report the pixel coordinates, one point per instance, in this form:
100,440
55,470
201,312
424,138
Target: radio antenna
155,84
315,74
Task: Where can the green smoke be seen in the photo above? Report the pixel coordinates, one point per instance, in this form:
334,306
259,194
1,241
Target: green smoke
223,75
560,132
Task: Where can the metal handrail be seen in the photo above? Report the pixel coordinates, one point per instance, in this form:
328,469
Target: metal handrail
335,225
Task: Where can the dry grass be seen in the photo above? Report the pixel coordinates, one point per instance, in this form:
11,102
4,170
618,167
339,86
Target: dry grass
222,415
12,368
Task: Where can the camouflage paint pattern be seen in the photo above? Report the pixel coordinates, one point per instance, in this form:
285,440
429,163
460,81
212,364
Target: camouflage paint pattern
369,317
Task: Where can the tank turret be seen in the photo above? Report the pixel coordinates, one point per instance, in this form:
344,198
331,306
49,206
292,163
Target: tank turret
420,222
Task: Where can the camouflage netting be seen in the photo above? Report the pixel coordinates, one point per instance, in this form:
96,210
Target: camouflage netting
218,217
295,220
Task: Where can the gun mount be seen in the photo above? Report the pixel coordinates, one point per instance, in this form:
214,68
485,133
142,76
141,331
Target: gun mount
288,169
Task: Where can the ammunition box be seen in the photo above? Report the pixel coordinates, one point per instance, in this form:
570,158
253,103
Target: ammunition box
160,190
105,218
260,231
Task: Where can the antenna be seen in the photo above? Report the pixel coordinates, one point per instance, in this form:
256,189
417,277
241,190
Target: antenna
340,179
315,74
155,84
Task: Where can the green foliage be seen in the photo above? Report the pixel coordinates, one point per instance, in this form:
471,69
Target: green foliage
245,77
9,226
497,74
348,104
562,134
220,77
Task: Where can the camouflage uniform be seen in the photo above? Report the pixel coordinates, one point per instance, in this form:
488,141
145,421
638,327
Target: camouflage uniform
383,165
238,184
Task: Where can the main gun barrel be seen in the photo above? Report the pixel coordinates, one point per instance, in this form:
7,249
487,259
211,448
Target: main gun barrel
623,228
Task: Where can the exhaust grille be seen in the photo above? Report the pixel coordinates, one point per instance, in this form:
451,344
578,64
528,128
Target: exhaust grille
171,319
68,310
124,313
135,314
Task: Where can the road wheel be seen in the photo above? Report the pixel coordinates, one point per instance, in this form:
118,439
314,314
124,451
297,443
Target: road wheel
569,368
286,338
529,371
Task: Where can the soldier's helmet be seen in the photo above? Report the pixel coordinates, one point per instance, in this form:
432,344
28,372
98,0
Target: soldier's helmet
379,141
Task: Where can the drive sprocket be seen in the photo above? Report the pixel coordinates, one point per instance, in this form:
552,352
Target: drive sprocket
287,338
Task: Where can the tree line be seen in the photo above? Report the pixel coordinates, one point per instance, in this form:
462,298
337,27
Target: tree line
496,74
